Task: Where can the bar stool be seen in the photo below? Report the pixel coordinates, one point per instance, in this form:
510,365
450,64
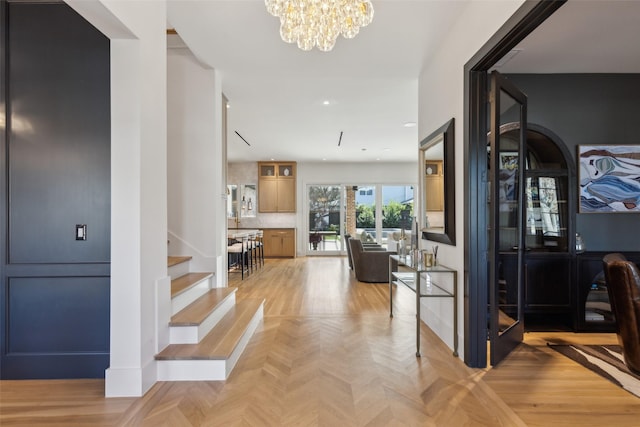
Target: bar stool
260,246
237,249
251,251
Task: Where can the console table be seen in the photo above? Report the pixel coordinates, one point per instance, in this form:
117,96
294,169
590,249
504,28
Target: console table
411,278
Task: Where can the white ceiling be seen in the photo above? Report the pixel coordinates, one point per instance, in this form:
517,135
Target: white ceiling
276,91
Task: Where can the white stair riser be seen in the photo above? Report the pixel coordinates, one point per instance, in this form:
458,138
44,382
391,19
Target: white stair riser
192,370
208,370
193,334
179,270
187,297
251,328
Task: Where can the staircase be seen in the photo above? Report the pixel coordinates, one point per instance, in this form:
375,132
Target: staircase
208,329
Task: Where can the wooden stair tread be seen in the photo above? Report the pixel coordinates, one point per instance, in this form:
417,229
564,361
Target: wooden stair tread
183,283
175,260
196,312
223,338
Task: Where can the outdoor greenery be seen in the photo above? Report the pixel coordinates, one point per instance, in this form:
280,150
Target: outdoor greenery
365,215
324,199
324,211
324,207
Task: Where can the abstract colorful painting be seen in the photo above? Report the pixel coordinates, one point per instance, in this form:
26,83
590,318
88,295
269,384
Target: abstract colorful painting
609,178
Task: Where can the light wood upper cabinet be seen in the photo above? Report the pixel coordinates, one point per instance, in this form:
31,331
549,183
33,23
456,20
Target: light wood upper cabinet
267,195
434,186
277,186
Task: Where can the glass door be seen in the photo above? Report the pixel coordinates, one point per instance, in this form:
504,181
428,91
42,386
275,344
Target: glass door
325,234
397,215
373,213
506,219
366,218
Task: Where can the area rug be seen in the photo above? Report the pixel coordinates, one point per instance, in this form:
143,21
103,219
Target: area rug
605,360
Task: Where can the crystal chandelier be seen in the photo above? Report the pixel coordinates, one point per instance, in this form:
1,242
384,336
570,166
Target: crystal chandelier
319,22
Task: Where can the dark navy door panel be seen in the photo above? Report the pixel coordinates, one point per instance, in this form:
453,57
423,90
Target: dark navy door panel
55,163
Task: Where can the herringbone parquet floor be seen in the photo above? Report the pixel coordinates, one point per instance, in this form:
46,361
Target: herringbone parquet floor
327,354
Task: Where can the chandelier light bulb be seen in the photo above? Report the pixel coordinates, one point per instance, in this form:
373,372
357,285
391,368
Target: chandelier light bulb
311,23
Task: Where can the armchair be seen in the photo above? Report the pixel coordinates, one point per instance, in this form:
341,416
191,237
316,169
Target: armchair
623,286
367,247
369,265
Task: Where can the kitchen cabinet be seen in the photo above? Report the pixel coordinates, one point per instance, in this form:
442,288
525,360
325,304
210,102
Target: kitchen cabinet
280,243
434,186
277,187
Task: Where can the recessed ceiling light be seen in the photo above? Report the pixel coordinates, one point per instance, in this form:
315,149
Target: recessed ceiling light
324,159
410,124
378,159
326,102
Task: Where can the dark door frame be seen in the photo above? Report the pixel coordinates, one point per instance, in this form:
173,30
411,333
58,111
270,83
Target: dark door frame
524,21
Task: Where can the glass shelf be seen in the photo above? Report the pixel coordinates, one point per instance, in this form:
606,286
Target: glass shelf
412,277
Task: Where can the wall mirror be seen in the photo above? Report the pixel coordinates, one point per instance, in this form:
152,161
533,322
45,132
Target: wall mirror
437,173
232,201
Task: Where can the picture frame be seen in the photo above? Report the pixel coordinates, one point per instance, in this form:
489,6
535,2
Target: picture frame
509,160
508,176
609,178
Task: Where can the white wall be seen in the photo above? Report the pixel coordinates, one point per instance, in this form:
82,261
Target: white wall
138,183
324,173
441,97
192,159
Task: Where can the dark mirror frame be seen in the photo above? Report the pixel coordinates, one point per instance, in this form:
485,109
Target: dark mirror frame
449,235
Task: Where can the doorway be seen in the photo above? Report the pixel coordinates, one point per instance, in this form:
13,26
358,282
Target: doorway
477,267
370,212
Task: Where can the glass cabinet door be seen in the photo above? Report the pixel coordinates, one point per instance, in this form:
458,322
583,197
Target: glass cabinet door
267,170
286,170
546,204
546,196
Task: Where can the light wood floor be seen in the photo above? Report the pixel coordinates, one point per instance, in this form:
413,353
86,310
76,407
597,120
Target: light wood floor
327,354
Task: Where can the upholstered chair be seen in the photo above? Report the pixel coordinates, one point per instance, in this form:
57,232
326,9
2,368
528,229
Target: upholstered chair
623,286
369,265
366,246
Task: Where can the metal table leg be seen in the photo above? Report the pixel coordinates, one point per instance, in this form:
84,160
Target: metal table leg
417,314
